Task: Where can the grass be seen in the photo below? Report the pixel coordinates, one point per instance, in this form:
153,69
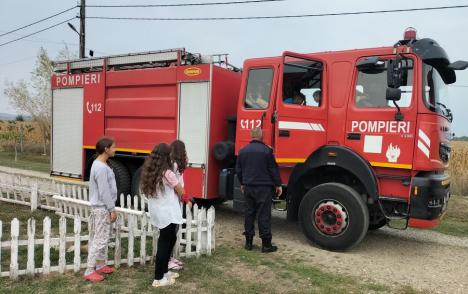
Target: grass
38,163
9,211
229,270
455,221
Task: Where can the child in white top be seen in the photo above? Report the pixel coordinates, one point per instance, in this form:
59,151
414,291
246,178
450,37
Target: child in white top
160,184
180,162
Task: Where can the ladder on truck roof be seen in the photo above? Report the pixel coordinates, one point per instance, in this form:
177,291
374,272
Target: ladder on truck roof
160,58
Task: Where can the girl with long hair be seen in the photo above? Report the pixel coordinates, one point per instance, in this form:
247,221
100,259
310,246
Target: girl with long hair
102,197
160,184
179,162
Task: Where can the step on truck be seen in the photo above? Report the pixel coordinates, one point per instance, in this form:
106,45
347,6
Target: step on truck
361,137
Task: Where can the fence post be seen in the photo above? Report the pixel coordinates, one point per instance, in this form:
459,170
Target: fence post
129,202
143,238
77,231
31,234
34,195
135,202
1,227
214,229
209,228
62,243
14,249
80,197
143,204
46,249
74,208
118,244
85,194
131,227
204,240
188,231
122,200
199,232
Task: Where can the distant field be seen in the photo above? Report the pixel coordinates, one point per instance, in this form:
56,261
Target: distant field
33,137
458,168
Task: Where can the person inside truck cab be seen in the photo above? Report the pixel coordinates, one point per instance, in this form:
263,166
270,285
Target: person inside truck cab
297,98
318,97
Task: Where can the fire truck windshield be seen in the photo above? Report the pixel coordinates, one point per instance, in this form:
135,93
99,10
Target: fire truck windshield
435,91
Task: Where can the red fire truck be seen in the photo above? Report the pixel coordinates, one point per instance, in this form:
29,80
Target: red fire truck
361,136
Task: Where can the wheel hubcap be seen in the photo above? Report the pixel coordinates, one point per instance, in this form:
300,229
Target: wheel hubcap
330,218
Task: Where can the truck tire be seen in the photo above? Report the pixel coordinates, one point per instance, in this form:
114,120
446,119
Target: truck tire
122,177
334,216
136,181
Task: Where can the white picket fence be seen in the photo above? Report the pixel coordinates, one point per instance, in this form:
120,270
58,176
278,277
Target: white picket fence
35,192
198,224
195,237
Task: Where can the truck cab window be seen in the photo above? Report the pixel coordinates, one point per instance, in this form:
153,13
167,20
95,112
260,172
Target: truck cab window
435,91
372,84
257,95
302,82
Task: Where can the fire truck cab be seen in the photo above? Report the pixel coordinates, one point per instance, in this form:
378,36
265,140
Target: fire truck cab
361,136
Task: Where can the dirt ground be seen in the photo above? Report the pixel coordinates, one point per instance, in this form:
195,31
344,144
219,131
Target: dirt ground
426,260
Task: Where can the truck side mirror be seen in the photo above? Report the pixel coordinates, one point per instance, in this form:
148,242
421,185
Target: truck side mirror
458,65
394,73
393,94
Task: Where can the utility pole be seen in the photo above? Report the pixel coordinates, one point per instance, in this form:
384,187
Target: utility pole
82,28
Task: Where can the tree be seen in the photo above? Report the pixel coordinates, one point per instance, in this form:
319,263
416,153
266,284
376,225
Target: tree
11,135
34,98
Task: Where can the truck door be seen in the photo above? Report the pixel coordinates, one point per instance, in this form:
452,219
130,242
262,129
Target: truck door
256,104
300,115
373,129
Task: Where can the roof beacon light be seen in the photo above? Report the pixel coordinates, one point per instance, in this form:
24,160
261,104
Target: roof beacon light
410,34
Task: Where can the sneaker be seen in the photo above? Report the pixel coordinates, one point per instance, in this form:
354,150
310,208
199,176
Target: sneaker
163,282
171,275
94,277
175,260
174,266
105,270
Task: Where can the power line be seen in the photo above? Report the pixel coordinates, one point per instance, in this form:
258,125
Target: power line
17,61
49,41
36,22
276,16
182,4
37,32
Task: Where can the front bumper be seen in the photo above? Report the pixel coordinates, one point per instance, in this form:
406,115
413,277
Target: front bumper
429,198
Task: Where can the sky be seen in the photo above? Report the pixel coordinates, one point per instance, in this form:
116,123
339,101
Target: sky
242,39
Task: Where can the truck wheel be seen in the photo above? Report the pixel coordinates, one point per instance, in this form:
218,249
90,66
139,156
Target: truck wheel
122,177
136,182
334,216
